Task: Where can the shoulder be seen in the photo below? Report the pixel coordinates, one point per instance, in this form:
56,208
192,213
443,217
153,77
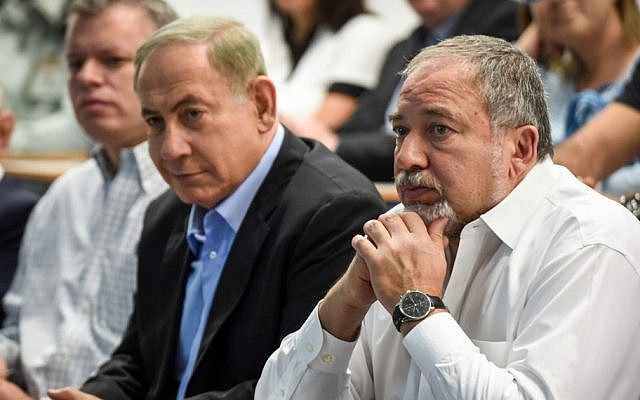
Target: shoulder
72,186
584,216
324,169
166,210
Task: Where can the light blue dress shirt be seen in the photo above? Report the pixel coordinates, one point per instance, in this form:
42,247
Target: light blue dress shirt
210,235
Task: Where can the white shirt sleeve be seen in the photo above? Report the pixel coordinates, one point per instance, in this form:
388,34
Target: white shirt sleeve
310,364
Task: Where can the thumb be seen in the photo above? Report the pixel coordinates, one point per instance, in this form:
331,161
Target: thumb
436,230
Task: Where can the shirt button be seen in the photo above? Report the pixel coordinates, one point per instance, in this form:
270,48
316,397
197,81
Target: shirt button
281,392
309,347
213,255
327,358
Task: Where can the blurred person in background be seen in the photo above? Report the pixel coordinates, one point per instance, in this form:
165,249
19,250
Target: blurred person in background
322,55
33,76
72,294
16,203
588,50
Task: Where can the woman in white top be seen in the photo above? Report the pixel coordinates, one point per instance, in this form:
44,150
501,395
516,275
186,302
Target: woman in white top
587,49
322,54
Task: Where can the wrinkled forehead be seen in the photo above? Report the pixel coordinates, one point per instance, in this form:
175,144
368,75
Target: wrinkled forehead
442,77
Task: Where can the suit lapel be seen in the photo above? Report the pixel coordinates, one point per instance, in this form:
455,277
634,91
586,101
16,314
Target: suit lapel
251,235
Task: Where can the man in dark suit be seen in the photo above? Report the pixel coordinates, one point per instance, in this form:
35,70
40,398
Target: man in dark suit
15,206
366,140
257,228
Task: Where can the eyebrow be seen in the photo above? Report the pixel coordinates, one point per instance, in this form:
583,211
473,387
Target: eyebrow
430,111
186,100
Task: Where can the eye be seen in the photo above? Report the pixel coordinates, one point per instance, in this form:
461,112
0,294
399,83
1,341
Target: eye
400,131
193,114
439,130
74,64
154,123
113,61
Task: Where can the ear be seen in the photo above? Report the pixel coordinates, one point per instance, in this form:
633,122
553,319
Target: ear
263,94
523,145
6,127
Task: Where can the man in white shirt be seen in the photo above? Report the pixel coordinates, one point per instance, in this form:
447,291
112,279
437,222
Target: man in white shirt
72,295
511,279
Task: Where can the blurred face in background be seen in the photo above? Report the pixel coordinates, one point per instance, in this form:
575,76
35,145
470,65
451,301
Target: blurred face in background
100,54
434,12
297,7
574,23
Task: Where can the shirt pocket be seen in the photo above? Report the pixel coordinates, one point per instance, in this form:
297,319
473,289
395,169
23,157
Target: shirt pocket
496,352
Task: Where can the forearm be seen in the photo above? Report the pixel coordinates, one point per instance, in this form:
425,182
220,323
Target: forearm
597,150
454,366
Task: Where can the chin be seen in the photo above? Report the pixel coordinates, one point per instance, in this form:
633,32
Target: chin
430,213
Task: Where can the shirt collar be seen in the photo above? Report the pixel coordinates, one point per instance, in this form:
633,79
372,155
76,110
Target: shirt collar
509,217
234,208
131,158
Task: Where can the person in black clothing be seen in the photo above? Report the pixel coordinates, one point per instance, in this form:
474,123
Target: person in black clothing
16,203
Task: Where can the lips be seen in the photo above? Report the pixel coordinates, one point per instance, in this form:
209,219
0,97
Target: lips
419,194
93,104
185,178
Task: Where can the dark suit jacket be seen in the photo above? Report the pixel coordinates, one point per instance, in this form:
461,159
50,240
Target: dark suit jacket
364,144
292,246
15,206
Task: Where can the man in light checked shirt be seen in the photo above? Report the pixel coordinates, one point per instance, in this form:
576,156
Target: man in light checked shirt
72,295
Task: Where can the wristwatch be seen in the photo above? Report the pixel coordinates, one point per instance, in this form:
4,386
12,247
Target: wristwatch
631,200
414,306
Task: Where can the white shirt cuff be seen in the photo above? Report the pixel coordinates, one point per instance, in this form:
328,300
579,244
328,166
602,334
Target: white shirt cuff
435,338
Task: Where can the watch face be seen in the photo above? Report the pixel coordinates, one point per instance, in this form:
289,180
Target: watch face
415,304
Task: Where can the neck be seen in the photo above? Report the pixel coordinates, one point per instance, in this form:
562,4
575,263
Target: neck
302,26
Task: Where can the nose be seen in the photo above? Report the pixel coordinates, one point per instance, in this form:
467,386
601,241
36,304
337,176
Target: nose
90,73
411,153
175,144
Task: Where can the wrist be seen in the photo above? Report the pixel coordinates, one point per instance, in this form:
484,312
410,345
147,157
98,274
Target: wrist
341,318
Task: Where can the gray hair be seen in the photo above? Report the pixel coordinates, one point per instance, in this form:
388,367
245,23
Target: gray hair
159,10
508,80
232,49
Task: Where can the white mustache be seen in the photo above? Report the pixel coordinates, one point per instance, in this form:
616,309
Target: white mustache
417,178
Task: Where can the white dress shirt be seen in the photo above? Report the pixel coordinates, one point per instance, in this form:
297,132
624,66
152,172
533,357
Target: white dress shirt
544,303
72,294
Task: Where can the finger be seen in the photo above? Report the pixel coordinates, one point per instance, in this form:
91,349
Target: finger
364,247
65,393
414,222
376,231
436,230
394,224
360,242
